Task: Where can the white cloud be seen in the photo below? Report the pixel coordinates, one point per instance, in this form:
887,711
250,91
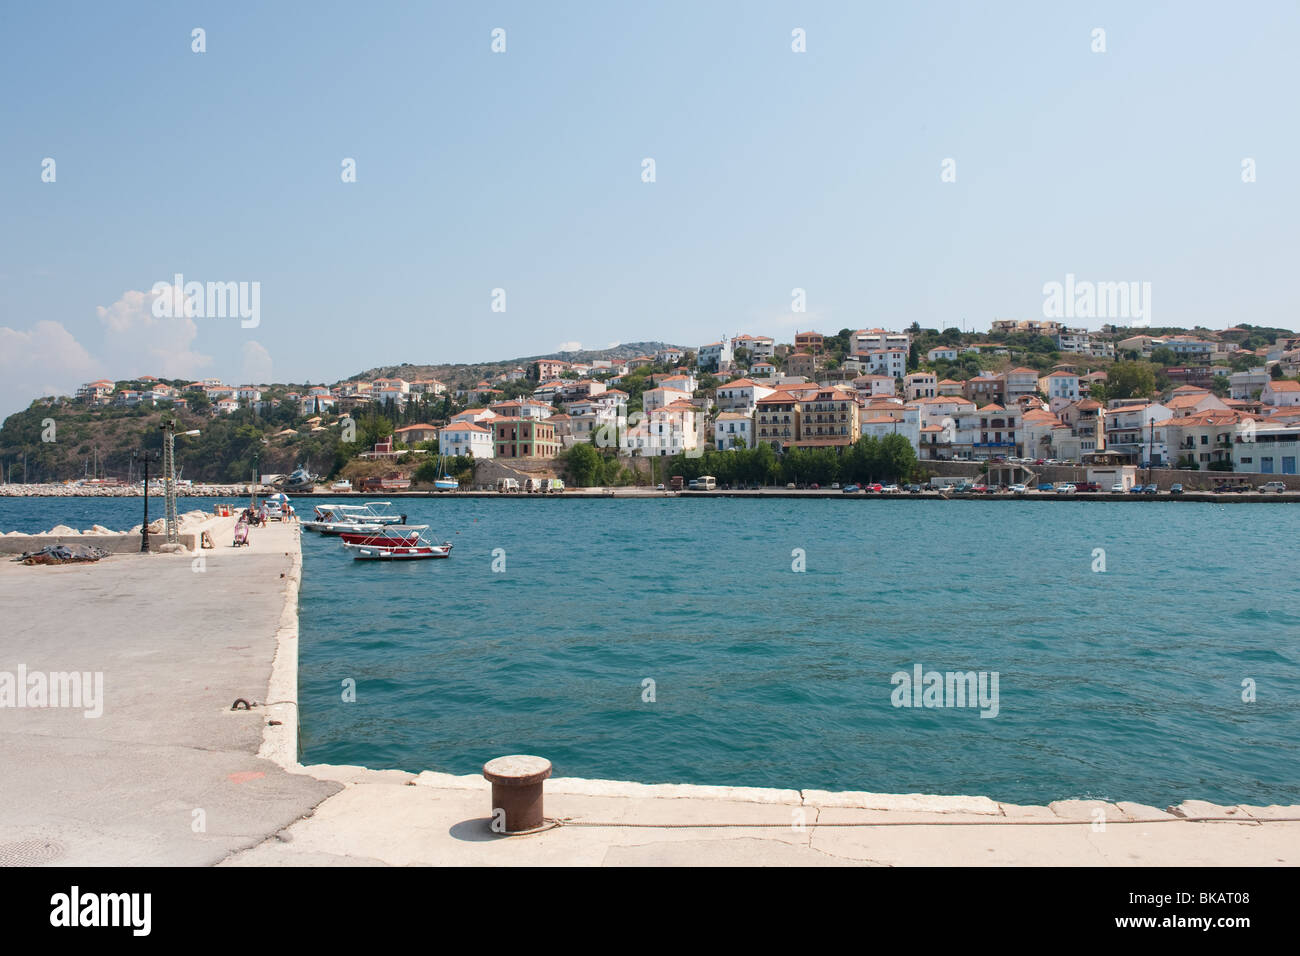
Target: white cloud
136,342
256,367
569,347
44,360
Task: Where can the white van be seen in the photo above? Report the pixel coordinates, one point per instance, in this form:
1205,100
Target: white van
507,485
703,483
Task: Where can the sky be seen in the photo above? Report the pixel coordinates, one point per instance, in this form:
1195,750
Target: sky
523,171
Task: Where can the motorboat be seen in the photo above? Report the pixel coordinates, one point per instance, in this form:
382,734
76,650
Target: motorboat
391,535
377,552
300,480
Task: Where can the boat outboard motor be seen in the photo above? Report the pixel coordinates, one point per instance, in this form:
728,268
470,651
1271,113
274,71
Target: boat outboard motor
403,519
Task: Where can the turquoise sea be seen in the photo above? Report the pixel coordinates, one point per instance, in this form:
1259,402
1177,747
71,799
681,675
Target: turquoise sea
1122,684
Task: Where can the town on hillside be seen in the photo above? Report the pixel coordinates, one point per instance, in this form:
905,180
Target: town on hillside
1031,391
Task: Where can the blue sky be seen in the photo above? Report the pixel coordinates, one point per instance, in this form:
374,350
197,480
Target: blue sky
522,171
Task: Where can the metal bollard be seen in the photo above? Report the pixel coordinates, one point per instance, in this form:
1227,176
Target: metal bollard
517,790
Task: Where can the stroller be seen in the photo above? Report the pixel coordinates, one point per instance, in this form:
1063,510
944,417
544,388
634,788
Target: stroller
241,533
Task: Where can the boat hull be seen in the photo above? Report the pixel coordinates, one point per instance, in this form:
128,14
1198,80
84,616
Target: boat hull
367,552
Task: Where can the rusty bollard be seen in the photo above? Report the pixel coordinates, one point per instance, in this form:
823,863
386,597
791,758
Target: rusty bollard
517,791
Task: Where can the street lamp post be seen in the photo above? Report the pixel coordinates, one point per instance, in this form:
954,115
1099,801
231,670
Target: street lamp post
145,457
252,488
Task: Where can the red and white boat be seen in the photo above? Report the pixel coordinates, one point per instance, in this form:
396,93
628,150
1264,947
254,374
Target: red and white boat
393,535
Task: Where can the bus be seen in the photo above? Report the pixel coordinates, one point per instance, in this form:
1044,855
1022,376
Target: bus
704,483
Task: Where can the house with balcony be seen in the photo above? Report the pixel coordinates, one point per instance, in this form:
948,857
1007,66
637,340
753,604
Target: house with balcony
776,419
1061,388
522,408
733,430
465,438
891,362
870,340
1269,448
741,396
1086,421
1249,384
920,385
714,355
985,388
759,346
1129,433
828,417
671,429
96,393
1206,438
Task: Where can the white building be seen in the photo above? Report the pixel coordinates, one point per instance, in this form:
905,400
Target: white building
731,426
653,398
1267,448
891,362
1281,394
465,438
714,355
741,396
1061,389
871,340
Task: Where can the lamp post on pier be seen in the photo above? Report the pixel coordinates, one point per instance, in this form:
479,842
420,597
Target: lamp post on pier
145,456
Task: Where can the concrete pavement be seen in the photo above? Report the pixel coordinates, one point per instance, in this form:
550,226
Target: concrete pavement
168,774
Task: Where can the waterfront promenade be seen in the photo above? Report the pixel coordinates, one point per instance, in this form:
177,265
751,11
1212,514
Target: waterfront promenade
178,645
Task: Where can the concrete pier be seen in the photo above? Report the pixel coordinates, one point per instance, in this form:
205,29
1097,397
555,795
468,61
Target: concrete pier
169,774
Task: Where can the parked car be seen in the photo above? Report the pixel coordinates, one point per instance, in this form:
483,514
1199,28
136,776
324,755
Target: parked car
1175,489
875,487
1088,486
964,488
1150,489
889,489
815,487
850,489
789,485
1117,488
1066,489
913,489
1278,486
1046,486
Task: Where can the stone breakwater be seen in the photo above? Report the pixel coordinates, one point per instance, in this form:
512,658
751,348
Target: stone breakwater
125,491
184,521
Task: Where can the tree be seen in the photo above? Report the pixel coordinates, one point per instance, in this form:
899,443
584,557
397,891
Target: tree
1163,356
1131,380
584,466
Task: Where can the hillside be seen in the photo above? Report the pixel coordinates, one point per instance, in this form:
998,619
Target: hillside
469,373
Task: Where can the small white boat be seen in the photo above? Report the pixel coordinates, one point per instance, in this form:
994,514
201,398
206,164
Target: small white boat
379,552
